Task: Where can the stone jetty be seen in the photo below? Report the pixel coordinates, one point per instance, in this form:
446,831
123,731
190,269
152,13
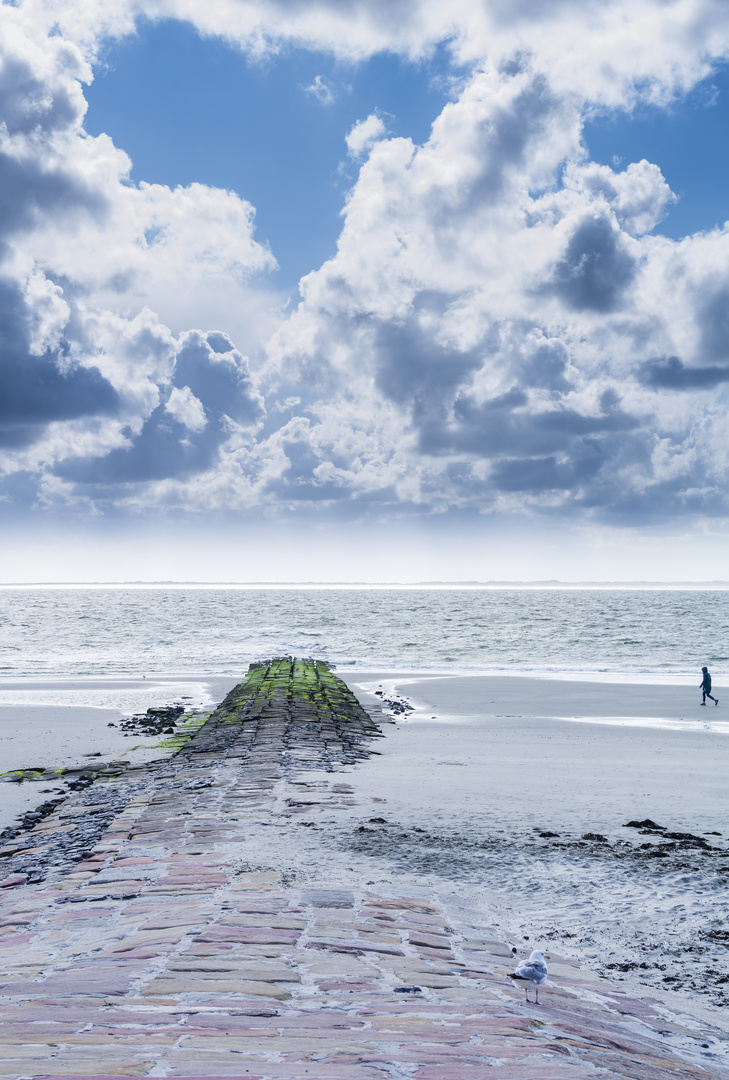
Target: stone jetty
159,932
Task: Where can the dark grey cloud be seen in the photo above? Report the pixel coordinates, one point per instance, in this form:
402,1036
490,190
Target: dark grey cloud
218,376
28,104
411,366
546,367
167,447
546,474
596,268
506,135
30,187
36,390
713,319
39,182
505,427
298,482
163,449
672,374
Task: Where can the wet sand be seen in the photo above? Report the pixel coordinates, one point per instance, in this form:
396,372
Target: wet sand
485,767
54,723
213,915
551,752
519,791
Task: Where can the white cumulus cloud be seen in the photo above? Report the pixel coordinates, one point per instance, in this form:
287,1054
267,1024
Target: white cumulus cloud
500,329
364,135
185,407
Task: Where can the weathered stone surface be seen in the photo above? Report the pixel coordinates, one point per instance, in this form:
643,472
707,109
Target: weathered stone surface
160,954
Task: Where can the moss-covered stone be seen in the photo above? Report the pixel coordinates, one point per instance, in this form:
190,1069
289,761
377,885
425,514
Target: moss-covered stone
298,705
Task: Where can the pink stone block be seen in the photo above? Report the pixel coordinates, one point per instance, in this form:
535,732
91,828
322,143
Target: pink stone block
172,882
12,880
253,935
431,940
354,947
84,913
140,954
11,940
444,955
131,862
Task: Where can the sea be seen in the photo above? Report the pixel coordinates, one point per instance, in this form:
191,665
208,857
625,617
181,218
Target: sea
134,630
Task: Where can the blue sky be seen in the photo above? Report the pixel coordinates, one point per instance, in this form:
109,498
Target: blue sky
187,109
689,140
362,281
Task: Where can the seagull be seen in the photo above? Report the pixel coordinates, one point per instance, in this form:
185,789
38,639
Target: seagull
534,971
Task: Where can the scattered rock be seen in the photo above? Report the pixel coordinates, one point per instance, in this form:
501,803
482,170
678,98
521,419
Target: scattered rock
161,721
686,836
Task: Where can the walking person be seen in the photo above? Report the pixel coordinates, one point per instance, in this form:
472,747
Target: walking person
706,687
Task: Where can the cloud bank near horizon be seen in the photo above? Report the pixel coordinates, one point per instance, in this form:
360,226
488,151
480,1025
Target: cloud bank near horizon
500,329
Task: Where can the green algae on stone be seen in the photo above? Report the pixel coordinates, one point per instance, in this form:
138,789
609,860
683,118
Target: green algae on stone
185,731
315,714
17,776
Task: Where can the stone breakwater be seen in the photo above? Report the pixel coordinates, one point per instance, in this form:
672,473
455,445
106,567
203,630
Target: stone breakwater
165,952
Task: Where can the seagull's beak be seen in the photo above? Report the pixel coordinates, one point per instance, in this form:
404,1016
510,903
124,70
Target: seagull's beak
547,956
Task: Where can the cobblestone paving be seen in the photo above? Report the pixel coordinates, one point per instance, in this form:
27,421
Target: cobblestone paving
163,953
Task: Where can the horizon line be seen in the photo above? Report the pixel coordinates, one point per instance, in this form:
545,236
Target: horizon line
433,583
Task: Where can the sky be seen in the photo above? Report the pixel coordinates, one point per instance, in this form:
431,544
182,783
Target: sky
304,290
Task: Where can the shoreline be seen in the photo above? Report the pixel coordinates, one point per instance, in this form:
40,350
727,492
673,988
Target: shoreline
718,584
220,680
74,723
216,903
497,778
531,810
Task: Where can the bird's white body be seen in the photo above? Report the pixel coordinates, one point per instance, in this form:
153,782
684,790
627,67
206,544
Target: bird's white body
532,972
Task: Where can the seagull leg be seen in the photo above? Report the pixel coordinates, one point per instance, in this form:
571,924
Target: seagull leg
536,995
526,991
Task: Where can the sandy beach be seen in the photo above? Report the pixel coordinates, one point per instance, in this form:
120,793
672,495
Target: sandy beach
66,722
252,906
508,795
506,777
555,752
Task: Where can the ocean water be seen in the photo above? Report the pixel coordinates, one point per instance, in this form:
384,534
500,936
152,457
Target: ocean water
133,631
